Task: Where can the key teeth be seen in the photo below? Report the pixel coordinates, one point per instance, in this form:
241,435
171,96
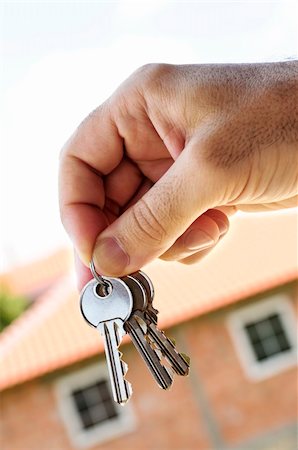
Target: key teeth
178,370
186,358
119,331
128,385
124,366
172,341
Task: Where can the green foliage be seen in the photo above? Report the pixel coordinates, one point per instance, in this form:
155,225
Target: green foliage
11,306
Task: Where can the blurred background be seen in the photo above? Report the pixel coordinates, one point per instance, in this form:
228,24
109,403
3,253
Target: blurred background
59,60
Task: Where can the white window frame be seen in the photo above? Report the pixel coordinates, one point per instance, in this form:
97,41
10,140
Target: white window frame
115,427
259,370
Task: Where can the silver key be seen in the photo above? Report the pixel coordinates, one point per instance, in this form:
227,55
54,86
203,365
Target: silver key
178,361
149,288
136,327
108,312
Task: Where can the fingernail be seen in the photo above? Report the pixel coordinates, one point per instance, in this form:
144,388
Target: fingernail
222,226
220,219
198,240
109,257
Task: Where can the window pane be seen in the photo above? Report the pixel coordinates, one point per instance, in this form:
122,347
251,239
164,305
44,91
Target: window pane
259,351
79,399
252,332
98,413
92,395
271,346
276,323
104,390
283,342
111,409
264,329
86,419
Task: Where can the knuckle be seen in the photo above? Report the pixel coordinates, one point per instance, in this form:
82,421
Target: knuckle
155,76
152,69
146,68
146,224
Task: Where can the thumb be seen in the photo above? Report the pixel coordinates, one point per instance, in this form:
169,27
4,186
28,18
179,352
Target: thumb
150,227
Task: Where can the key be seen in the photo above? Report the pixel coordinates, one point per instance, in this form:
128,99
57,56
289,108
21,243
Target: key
107,310
179,361
149,288
136,327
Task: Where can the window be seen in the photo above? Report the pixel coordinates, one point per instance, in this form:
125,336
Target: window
267,337
87,407
94,404
264,335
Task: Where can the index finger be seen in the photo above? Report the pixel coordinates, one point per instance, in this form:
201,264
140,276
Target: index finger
93,151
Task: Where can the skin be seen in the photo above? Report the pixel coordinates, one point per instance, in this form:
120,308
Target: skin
157,169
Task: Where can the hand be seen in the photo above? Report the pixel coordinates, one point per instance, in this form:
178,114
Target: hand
156,169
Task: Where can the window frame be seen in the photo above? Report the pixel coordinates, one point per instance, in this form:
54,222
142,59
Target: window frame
113,428
259,310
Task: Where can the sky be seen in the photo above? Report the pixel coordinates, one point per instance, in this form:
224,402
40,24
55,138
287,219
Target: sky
59,60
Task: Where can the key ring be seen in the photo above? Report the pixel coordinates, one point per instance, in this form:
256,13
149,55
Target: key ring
98,277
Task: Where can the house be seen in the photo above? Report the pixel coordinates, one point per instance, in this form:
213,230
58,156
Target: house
234,314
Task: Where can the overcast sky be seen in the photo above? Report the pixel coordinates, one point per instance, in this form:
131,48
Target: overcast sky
61,59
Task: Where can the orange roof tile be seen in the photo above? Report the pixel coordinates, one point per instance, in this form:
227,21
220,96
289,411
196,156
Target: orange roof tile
259,253
33,278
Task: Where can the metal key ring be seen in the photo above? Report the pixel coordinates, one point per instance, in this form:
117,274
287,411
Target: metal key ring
98,277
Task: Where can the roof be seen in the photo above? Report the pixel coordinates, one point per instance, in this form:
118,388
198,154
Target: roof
259,253
33,278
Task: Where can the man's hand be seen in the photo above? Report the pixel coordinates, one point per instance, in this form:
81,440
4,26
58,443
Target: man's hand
156,169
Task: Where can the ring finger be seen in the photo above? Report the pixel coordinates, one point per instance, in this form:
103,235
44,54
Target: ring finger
203,234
